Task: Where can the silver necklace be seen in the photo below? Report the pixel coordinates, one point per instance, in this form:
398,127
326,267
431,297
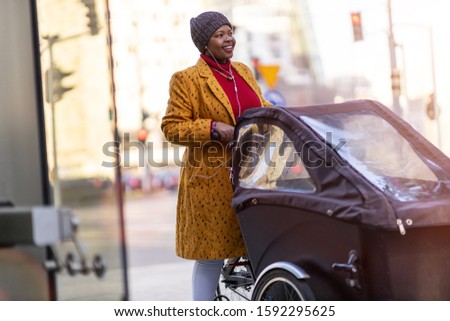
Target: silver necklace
230,78
221,73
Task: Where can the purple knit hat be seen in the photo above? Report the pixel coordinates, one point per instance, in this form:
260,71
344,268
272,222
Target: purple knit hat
204,25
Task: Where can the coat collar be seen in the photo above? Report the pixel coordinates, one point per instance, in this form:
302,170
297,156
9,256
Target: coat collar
214,85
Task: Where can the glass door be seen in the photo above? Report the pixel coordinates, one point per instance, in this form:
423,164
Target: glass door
80,126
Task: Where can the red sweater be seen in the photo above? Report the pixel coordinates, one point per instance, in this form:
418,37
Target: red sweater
246,98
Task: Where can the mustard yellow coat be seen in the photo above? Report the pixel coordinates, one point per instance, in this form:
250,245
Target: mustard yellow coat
207,227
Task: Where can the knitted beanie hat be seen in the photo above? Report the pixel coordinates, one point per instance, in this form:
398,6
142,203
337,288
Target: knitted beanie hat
204,25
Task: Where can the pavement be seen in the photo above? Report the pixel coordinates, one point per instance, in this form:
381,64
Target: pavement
155,273
161,282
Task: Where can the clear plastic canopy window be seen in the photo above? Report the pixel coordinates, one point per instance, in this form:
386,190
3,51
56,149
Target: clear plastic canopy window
376,150
270,161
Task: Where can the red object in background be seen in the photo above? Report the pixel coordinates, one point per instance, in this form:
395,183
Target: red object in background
142,135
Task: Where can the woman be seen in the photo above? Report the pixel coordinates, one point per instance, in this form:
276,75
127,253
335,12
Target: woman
205,101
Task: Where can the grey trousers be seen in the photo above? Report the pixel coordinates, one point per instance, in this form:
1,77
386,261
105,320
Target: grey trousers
205,277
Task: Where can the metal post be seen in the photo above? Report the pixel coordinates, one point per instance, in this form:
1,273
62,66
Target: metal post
395,73
56,183
147,182
433,76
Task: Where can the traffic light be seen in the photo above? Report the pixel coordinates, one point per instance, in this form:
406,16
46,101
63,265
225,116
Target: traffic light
55,87
142,135
396,82
357,26
431,111
144,115
92,16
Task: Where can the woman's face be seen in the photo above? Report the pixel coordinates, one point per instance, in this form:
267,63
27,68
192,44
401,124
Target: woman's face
221,44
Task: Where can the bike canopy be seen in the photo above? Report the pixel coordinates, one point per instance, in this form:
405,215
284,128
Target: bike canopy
355,161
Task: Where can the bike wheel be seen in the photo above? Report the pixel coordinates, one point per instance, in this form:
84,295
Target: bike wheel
237,285
280,285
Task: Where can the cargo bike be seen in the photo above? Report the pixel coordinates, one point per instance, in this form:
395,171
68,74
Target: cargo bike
338,202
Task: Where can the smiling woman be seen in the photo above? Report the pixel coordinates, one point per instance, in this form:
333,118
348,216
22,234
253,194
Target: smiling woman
205,102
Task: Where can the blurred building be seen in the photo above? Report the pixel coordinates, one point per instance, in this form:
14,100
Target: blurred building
150,42
279,33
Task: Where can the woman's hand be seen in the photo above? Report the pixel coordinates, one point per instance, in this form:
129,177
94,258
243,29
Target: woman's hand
225,131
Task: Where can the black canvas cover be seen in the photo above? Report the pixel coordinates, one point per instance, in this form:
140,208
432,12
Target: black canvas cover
354,161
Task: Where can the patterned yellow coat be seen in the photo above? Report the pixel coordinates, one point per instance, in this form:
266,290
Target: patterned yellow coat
207,227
